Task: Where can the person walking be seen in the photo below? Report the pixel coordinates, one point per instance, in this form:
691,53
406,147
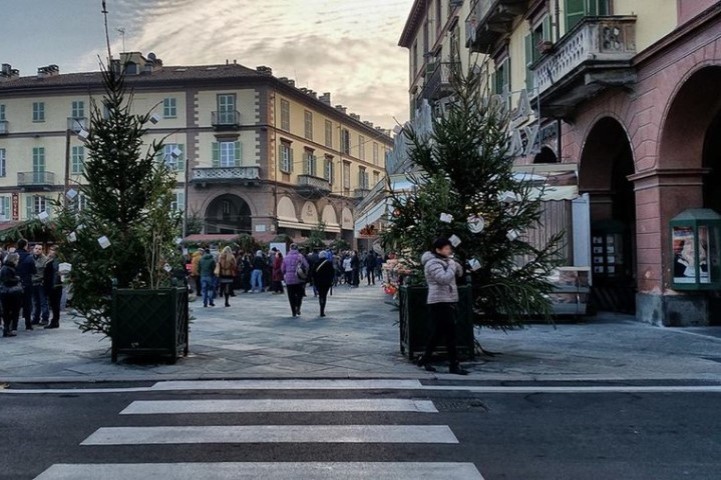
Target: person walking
195,272
11,295
441,272
25,270
295,273
206,269
323,278
355,268
370,267
256,276
41,313
277,286
226,270
347,270
53,285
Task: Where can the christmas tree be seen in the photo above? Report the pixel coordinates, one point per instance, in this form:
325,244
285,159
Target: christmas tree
118,229
464,188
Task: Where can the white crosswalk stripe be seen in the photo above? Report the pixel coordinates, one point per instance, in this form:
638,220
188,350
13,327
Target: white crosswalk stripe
265,471
163,436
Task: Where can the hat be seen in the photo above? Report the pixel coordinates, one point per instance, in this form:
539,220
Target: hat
323,255
294,246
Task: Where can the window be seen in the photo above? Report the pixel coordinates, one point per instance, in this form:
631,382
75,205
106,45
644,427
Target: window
170,109
36,204
346,175
38,111
77,160
3,172
226,154
178,203
362,147
376,178
328,133
309,125
5,212
414,60
226,207
174,156
328,169
286,157
362,178
2,113
285,115
438,17
77,109
131,68
502,77
309,163
226,109
39,159
375,153
577,9
80,202
345,141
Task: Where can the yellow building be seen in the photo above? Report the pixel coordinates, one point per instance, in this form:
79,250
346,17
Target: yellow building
254,153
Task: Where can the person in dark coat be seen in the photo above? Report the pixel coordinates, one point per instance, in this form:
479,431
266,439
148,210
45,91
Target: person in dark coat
25,270
277,284
370,267
53,285
11,295
323,278
355,266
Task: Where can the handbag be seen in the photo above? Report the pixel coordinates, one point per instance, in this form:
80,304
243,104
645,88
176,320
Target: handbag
216,272
300,271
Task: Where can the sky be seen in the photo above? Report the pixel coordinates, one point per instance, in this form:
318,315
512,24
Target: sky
346,47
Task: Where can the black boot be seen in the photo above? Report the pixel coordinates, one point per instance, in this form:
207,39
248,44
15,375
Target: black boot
456,369
423,362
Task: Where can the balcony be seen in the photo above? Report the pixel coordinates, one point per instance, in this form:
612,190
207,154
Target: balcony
4,127
438,81
596,54
36,181
315,185
234,175
225,120
76,124
361,193
489,21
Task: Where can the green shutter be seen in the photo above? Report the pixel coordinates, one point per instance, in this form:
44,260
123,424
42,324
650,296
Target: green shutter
216,155
291,159
281,167
529,60
547,29
28,207
181,158
238,153
574,12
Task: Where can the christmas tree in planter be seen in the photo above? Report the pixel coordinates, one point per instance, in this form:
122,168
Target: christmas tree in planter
464,188
117,228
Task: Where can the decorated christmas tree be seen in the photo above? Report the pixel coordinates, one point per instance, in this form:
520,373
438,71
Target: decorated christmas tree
464,188
117,227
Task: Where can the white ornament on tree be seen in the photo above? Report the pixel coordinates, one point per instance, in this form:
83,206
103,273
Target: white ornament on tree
476,224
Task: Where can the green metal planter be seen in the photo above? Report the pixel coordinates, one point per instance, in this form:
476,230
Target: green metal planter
150,322
415,328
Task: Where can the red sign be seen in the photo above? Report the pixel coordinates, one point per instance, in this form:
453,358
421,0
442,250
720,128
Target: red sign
16,207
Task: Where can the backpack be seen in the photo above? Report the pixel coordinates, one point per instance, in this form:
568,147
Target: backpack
301,271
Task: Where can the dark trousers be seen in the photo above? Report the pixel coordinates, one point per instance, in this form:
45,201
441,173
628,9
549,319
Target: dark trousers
371,276
27,305
323,297
54,296
443,322
198,286
295,297
11,311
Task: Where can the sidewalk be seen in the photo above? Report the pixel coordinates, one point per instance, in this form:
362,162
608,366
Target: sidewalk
257,338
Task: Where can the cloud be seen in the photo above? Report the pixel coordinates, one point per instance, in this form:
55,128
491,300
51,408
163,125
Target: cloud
340,46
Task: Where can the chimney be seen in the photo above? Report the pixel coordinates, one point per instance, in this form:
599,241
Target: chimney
368,124
291,83
325,98
355,116
305,90
264,70
7,72
341,108
48,71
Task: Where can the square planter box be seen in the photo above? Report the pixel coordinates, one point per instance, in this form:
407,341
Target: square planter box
415,328
150,322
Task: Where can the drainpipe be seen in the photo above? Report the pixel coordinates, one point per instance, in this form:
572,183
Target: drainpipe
557,13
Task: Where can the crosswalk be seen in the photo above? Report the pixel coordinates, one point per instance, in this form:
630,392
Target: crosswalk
319,432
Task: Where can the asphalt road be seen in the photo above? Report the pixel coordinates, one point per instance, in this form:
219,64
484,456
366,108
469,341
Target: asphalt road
304,434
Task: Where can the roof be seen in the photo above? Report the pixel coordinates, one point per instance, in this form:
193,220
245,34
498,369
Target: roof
412,23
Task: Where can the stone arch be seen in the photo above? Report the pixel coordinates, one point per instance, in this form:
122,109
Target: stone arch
546,155
228,213
329,216
347,219
286,210
309,214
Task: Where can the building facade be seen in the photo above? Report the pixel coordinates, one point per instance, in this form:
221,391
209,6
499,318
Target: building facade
627,91
253,153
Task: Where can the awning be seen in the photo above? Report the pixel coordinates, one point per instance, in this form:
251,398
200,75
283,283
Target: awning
306,226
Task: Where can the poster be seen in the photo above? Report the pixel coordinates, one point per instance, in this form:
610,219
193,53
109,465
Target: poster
280,246
703,254
684,268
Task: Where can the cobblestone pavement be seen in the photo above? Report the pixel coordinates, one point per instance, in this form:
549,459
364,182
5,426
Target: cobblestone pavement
257,337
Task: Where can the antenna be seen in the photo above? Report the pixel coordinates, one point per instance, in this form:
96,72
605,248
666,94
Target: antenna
121,31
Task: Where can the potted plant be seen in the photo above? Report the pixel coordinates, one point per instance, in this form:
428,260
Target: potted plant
118,230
